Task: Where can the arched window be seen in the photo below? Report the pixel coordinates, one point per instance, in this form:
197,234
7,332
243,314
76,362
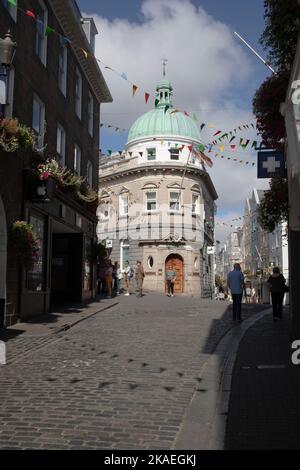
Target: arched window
124,253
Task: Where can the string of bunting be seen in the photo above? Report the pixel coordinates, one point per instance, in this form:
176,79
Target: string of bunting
49,30
110,126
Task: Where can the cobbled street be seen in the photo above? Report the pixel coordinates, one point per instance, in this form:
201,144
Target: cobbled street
119,380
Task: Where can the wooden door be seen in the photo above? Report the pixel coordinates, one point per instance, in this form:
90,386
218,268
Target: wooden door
175,262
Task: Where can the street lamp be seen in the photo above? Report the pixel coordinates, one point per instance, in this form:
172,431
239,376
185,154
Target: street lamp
7,50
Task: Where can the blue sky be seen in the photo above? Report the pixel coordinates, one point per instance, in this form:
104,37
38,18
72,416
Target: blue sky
124,28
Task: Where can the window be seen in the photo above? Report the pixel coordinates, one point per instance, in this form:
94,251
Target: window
123,204
124,253
61,144
38,120
151,154
77,160
150,262
195,204
41,38
78,94
62,66
35,277
11,8
89,173
174,200
174,154
91,114
151,201
104,210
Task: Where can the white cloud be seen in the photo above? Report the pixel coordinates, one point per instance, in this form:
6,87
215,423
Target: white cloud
207,67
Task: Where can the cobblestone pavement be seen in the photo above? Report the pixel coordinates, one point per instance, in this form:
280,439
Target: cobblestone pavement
121,379
264,409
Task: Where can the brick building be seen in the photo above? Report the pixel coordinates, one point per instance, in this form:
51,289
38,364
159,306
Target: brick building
53,88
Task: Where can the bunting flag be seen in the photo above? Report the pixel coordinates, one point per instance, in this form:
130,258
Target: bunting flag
232,147
222,147
190,147
147,95
206,159
124,76
156,102
202,126
186,114
84,52
109,152
109,68
110,126
30,13
49,30
216,133
134,89
232,139
254,144
130,154
141,153
166,108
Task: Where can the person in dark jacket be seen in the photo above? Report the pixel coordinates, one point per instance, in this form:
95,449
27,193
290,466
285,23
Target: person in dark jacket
277,285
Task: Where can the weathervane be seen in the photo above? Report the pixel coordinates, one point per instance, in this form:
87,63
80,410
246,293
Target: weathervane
164,63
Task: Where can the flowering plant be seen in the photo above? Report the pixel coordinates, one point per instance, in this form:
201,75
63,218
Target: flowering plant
25,243
274,207
15,136
67,179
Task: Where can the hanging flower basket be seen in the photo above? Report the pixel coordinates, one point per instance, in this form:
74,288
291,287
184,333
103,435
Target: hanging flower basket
25,243
15,136
67,180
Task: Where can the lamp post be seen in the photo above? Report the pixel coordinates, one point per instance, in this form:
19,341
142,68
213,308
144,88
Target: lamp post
7,50
7,53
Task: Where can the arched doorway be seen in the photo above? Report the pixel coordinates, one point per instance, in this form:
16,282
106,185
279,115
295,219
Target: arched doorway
175,262
3,260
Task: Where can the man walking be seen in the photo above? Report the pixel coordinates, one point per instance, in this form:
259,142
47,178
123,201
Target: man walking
128,274
170,278
235,282
139,277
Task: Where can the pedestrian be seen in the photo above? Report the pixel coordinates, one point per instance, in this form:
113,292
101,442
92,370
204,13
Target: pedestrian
109,278
170,278
117,276
139,277
128,275
248,294
235,282
278,287
253,295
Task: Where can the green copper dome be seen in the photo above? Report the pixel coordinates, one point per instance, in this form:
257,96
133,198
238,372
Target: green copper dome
161,121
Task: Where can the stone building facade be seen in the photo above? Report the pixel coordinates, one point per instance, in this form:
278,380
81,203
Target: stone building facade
52,88
156,200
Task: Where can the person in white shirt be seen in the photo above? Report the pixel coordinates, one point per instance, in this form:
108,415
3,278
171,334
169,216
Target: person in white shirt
128,275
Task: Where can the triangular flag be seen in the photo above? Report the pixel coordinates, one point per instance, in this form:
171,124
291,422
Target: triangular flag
232,138
200,147
241,142
166,108
134,89
84,53
206,159
202,125
252,125
117,129
109,126
49,30
30,13
124,76
232,147
146,97
253,164
176,145
101,125
254,144
186,114
222,147
109,152
130,154
156,102
190,147
141,153
216,133
12,2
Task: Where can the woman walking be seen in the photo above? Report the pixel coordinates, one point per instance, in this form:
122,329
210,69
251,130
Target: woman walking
278,287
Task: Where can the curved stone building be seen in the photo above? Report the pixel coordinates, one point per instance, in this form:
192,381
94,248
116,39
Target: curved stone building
156,200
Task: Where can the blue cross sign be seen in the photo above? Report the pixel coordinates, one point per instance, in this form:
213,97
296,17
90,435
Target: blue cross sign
270,163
